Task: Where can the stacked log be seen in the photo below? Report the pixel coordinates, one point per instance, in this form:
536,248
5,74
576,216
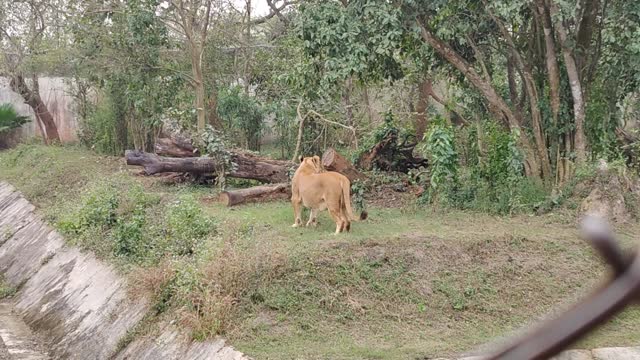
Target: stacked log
333,161
248,166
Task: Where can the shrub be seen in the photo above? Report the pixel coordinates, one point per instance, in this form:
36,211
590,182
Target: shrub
440,148
10,119
186,226
242,113
125,222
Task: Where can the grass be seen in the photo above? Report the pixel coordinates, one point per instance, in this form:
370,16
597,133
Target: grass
6,290
408,283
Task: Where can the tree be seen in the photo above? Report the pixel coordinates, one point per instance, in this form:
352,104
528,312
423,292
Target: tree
119,50
24,30
191,20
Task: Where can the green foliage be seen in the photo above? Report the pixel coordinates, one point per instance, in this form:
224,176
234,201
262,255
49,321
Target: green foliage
122,58
490,175
242,113
440,148
186,225
494,180
10,119
339,41
121,220
358,189
601,121
284,127
215,146
100,129
98,210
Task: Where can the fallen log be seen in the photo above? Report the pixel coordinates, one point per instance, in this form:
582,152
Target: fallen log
389,154
248,166
333,161
239,196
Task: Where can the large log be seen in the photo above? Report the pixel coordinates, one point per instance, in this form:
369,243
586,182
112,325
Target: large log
175,145
239,196
333,161
248,166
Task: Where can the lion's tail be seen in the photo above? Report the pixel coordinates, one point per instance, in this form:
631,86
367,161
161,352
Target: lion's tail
346,192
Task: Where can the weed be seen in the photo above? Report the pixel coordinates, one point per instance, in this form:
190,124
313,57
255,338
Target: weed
6,290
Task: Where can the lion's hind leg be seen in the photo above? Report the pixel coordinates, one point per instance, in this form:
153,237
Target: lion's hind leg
337,217
297,210
313,217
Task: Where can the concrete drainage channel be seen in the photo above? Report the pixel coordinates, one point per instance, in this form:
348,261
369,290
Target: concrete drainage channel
79,309
77,305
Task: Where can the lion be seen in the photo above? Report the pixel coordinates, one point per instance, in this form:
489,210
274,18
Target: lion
318,189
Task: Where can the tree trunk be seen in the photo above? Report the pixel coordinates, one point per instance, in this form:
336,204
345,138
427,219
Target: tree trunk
513,89
367,102
420,121
532,94
239,196
553,74
532,164
301,120
198,85
247,165
214,119
573,73
42,130
346,99
550,57
584,37
33,99
333,161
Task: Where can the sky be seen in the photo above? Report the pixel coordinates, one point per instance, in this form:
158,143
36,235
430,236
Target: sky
258,7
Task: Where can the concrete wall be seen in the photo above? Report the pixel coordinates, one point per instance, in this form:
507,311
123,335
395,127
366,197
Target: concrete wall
55,93
79,304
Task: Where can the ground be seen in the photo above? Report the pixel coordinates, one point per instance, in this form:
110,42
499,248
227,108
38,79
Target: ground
408,283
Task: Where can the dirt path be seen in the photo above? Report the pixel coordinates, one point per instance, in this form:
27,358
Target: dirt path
17,342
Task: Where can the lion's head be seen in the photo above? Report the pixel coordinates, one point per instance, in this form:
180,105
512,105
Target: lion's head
311,164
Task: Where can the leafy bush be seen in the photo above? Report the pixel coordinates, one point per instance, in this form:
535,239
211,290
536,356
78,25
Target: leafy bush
357,194
10,119
486,175
101,127
440,148
124,222
215,145
242,113
186,225
98,210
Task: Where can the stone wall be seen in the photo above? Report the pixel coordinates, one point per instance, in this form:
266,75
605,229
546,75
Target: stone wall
77,303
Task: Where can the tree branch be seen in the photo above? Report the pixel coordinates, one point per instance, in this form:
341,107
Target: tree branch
275,11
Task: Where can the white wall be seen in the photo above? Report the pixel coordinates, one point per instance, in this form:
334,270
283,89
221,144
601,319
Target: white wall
53,91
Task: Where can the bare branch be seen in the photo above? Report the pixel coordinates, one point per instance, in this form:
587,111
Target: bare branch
275,11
